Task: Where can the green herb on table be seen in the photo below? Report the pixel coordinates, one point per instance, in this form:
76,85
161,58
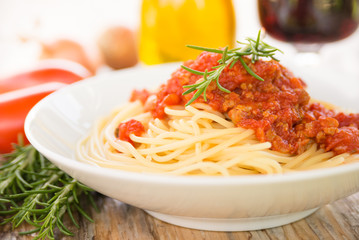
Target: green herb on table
255,48
33,190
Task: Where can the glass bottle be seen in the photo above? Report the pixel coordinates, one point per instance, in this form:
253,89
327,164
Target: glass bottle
167,26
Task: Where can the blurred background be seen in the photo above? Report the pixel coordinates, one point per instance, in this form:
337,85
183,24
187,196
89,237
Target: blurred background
114,34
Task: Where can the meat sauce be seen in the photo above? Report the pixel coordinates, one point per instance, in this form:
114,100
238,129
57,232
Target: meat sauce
277,109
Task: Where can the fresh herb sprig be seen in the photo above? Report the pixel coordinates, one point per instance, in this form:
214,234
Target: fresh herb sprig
255,48
35,191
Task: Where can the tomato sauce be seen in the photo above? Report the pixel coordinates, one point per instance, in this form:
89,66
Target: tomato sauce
277,109
132,126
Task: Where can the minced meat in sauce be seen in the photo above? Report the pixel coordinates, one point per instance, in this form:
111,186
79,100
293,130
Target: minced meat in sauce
277,109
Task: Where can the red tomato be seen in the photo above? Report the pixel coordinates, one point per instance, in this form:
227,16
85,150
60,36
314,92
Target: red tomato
19,93
62,71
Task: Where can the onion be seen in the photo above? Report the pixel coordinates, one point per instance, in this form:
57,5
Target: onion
118,47
70,50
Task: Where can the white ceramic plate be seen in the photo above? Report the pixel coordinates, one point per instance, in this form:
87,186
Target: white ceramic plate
238,203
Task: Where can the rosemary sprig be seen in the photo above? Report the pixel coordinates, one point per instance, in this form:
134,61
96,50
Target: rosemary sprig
35,191
255,48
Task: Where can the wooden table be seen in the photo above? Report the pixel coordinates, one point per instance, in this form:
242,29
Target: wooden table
116,220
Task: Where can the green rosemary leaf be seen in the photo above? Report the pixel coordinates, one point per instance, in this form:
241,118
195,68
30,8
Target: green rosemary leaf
275,59
204,85
7,212
61,226
54,187
193,85
83,213
189,90
224,55
195,96
3,200
258,38
205,49
220,86
30,231
235,59
92,201
69,211
44,204
249,70
32,223
192,71
74,195
19,182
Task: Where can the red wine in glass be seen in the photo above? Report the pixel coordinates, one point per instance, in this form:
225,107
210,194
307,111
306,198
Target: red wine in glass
309,21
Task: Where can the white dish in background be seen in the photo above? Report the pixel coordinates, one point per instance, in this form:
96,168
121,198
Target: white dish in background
237,203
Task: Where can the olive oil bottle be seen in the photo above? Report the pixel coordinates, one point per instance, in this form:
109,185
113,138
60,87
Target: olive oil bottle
167,26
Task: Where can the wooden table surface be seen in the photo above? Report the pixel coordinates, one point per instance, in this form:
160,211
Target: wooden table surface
116,220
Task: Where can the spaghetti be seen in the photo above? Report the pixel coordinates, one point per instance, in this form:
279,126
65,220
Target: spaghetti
193,140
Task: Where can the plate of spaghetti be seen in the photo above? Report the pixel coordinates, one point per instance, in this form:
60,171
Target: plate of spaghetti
229,141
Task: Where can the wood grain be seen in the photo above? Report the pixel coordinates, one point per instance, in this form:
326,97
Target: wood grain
116,220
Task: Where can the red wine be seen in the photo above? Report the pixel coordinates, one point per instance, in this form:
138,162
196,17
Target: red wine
309,21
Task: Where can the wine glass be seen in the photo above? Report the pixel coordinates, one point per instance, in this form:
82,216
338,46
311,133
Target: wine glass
309,24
